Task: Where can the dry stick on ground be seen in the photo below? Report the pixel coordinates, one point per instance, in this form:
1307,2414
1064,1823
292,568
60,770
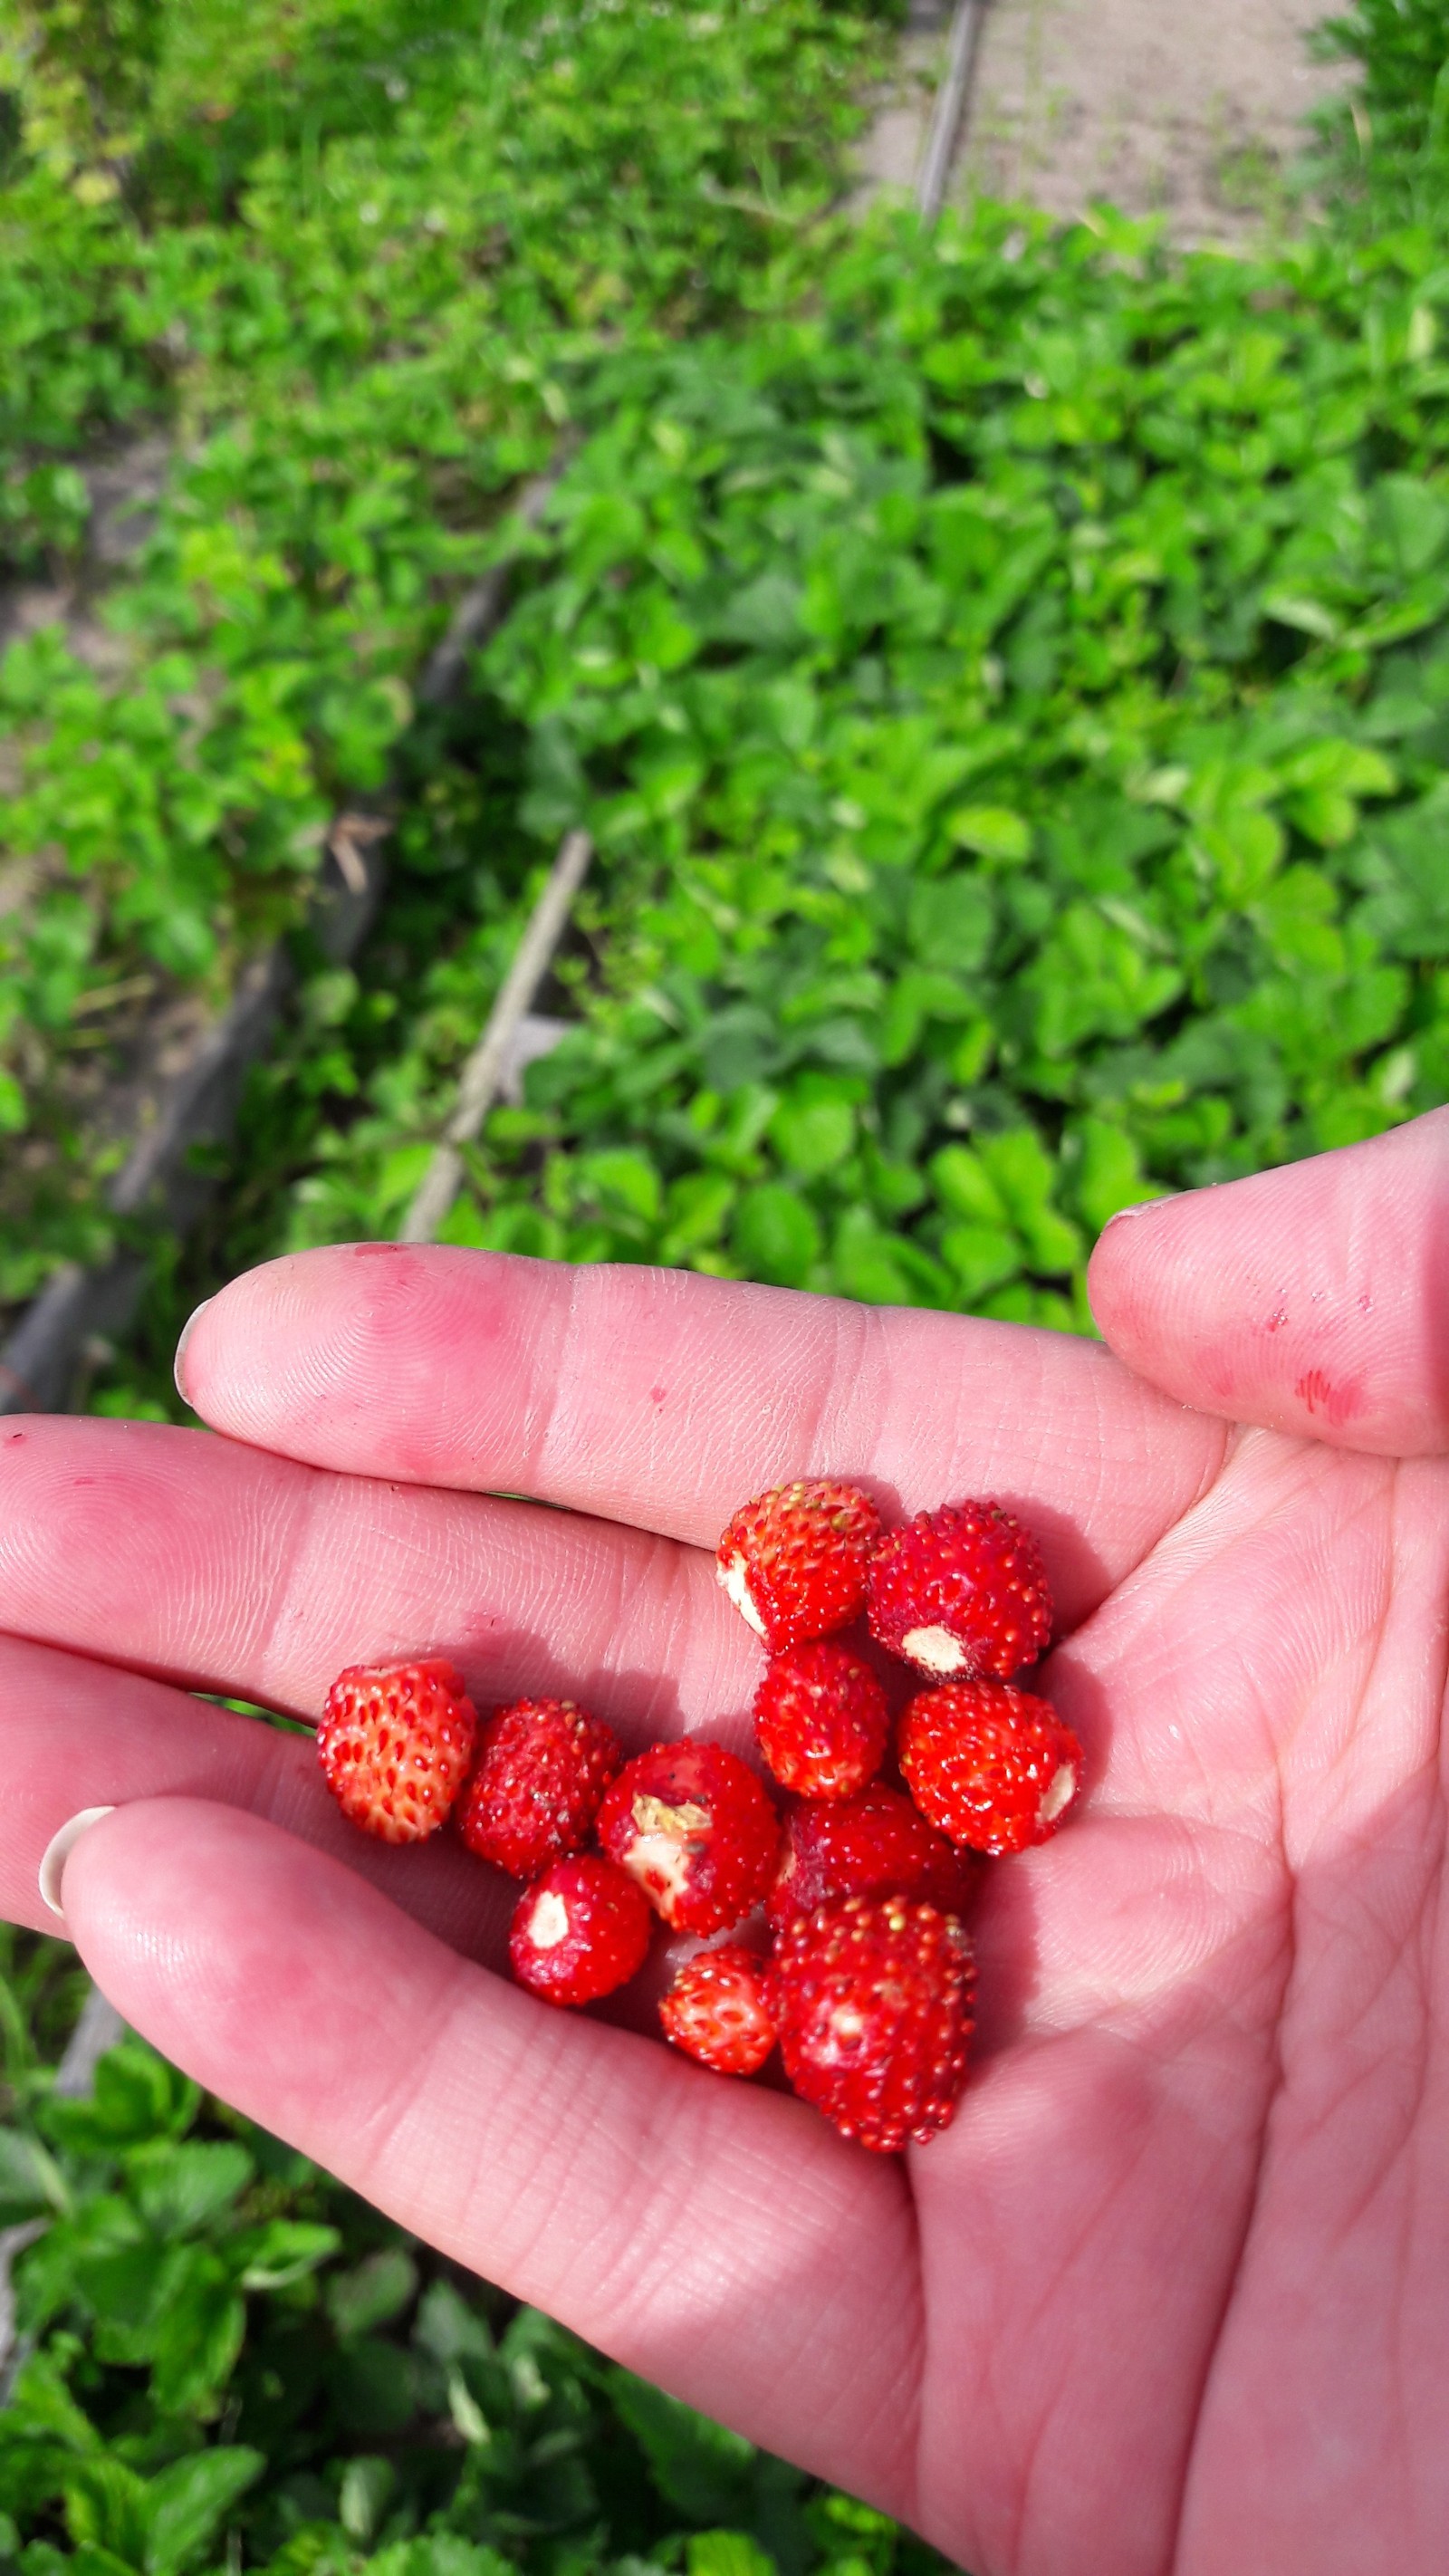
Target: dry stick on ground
949,111
487,1065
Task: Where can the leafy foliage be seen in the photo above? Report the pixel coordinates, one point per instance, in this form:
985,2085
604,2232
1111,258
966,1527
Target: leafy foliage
356,285
226,2359
1386,140
1009,699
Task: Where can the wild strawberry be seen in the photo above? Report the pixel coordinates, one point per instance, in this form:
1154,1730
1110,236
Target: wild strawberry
715,2010
692,1824
871,1998
821,1721
395,1744
961,1590
579,1931
992,1766
543,1766
794,1560
875,1845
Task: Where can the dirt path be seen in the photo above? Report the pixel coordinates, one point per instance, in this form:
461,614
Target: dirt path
1164,106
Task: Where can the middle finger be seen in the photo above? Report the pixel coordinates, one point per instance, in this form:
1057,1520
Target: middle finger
223,1568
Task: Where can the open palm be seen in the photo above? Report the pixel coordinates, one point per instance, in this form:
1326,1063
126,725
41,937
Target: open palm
1171,2294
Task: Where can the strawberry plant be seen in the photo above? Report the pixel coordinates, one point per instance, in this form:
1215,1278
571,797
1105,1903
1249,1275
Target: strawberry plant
357,271
225,2359
1007,696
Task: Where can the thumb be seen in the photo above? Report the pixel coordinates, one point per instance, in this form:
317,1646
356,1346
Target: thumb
1314,1299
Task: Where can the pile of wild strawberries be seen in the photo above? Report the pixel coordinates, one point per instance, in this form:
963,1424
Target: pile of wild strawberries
866,1984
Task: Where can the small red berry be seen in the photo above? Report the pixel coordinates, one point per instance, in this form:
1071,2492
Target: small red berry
715,2010
875,1845
395,1743
822,1721
794,1560
579,1931
962,1590
543,1767
871,1997
692,1824
992,1766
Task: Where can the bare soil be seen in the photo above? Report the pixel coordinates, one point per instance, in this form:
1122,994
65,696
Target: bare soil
1193,112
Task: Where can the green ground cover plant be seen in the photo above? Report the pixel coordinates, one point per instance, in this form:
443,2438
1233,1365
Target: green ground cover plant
347,262
223,2359
1009,694
1384,143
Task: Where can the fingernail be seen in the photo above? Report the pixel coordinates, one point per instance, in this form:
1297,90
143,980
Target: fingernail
187,1329
58,1851
1138,1207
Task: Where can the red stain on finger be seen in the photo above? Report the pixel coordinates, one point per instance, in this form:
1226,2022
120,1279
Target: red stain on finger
1337,1404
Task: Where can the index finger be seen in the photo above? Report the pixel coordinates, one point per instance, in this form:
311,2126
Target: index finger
666,1399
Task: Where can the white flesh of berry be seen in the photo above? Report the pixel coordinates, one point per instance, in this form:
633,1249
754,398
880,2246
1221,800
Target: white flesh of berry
846,2027
735,1578
934,1649
659,1855
661,1866
1058,1793
548,1924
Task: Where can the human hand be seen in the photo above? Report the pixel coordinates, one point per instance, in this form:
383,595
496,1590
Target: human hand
1171,2292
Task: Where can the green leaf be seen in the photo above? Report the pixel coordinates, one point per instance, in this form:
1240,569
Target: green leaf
368,2486
106,2504
1407,882
442,2553
375,2387
698,2466
951,920
920,995
622,1178
186,2504
41,2407
814,1127
726,2553
198,2337
965,1186
281,2251
30,2180
1109,1175
697,1212
373,2293
179,2189
993,831
980,1257
775,1235
448,2328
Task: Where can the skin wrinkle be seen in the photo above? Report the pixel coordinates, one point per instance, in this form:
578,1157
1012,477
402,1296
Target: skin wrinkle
292,1592
641,2277
1030,2481
1278,2103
